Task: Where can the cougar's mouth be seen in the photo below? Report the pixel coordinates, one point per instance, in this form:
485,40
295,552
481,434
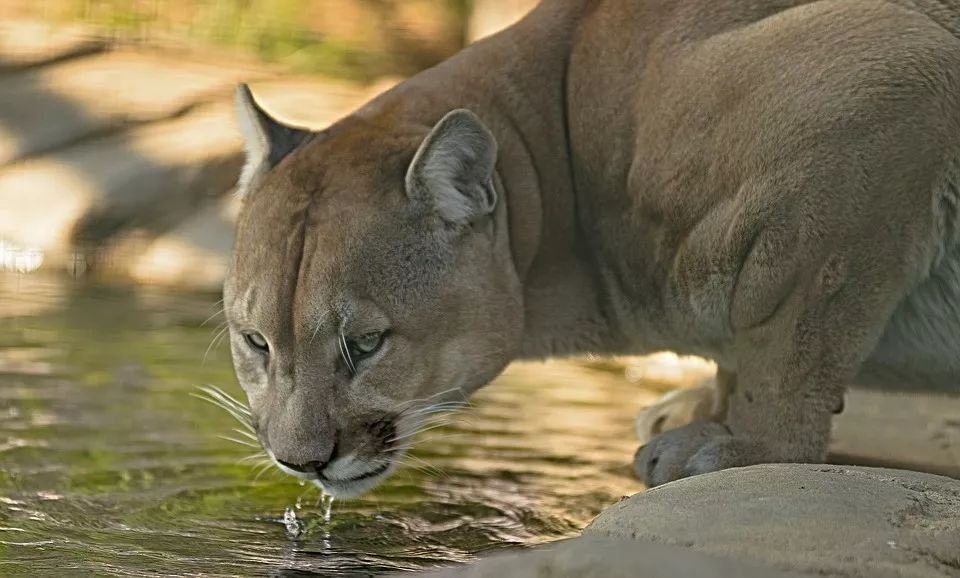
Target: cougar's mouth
356,484
349,483
374,472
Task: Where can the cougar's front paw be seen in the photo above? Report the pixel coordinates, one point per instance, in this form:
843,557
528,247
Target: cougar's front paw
700,448
665,458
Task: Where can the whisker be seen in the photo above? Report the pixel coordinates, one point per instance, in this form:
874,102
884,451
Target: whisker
246,434
345,353
219,404
429,397
452,402
444,406
414,433
240,417
238,410
423,468
259,474
316,330
267,467
424,464
221,393
218,401
435,437
429,419
433,410
213,342
207,320
236,441
252,457
225,398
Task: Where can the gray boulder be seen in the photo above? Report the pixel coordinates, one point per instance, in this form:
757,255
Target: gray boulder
593,557
813,519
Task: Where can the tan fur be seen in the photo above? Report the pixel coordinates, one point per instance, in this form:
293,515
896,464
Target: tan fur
771,184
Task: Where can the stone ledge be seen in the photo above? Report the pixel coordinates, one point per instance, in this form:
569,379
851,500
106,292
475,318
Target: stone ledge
771,521
815,519
594,557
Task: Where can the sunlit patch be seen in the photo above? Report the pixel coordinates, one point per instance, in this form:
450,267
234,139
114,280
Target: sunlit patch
19,259
670,368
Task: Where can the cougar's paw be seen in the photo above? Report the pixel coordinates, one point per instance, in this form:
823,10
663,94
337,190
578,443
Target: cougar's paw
675,409
699,448
665,458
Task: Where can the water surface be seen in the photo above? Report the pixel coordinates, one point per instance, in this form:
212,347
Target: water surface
109,467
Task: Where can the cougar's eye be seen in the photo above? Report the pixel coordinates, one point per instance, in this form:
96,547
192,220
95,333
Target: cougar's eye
257,342
366,344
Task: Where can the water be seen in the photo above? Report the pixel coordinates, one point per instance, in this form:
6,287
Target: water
109,467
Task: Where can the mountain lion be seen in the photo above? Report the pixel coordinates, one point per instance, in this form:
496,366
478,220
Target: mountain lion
772,184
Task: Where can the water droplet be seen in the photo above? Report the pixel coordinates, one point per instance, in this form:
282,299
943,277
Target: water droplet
292,524
327,507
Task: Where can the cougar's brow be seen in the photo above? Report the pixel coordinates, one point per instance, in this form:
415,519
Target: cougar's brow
297,244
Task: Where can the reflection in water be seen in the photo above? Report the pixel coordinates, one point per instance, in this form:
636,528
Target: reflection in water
108,466
19,260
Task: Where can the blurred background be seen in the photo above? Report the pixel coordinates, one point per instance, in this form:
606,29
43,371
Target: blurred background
118,154
117,140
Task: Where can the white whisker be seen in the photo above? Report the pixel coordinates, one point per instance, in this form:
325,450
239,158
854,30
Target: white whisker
236,441
214,341
229,398
415,432
207,320
262,470
240,417
246,434
423,464
428,398
257,458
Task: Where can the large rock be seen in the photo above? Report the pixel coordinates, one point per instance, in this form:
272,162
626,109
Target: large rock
608,558
814,519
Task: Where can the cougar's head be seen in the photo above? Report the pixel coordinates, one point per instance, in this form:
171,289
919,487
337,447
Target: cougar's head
371,285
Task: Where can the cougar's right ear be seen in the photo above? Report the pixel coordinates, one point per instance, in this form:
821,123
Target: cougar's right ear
266,139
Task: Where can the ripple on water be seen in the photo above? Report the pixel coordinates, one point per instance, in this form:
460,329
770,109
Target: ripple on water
110,468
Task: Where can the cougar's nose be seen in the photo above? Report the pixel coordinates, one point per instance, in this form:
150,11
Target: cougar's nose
298,436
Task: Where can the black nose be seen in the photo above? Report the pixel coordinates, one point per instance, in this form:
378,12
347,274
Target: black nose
313,467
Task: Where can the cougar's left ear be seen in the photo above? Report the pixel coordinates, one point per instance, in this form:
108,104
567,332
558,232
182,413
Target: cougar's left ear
453,168
266,139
